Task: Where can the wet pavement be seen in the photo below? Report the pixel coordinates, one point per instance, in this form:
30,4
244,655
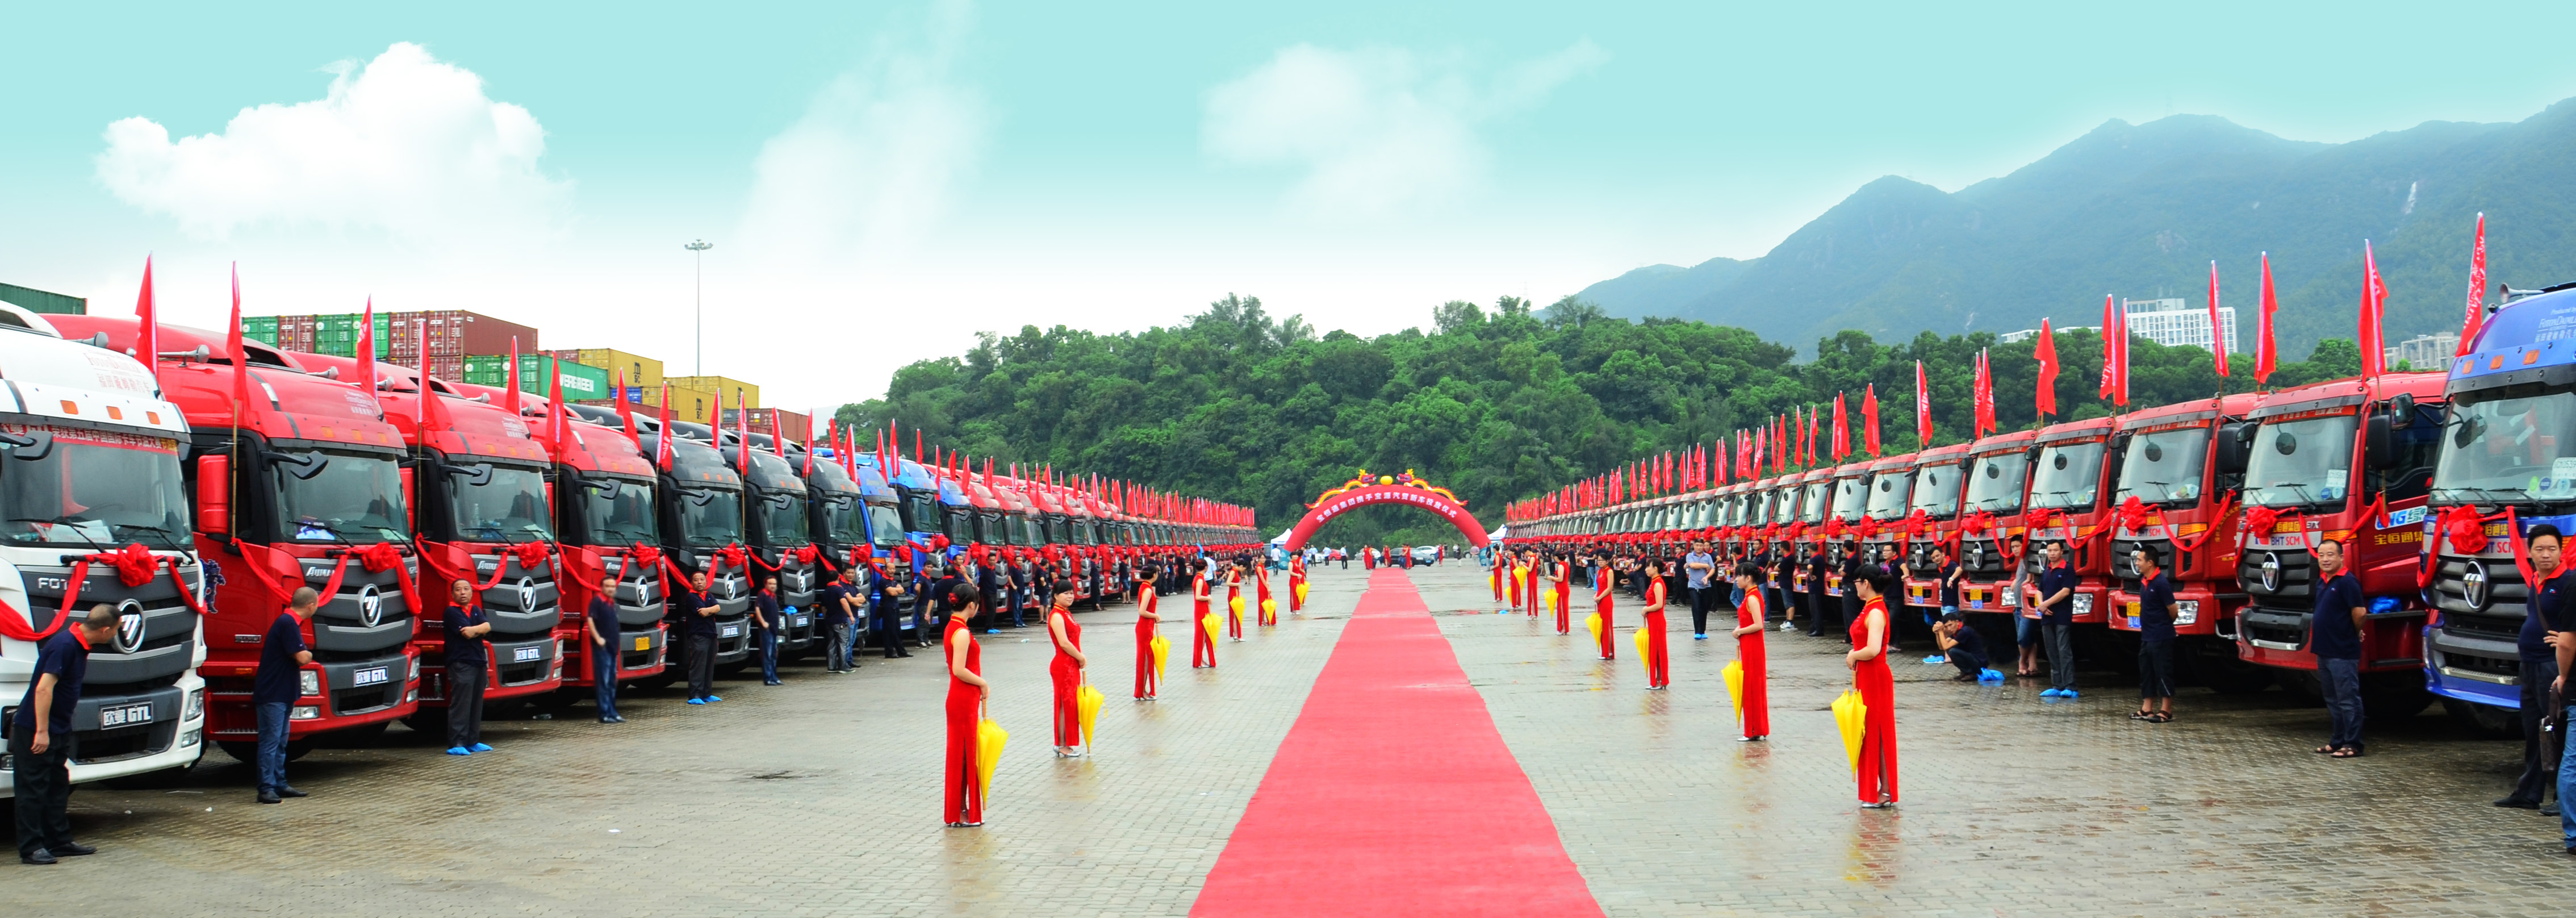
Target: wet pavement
820,797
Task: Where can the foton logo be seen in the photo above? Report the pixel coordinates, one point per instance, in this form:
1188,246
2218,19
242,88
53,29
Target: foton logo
53,583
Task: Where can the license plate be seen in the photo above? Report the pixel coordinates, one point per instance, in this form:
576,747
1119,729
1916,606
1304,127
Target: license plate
377,676
802,621
644,643
730,631
524,654
1976,604
125,715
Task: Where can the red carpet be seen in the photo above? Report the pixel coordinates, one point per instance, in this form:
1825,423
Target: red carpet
1393,794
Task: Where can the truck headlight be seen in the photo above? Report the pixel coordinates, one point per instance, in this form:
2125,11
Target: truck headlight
310,681
2083,603
2186,611
196,705
191,738
304,712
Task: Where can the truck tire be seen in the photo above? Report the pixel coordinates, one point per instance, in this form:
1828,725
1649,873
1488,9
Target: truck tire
2484,721
2393,697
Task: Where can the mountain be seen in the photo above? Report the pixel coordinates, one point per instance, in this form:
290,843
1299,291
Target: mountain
2139,211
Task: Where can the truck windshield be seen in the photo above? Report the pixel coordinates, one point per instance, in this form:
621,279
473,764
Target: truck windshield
2301,463
2070,476
710,517
1889,493
507,505
957,526
1936,490
2164,466
920,512
845,517
1848,499
783,519
94,489
1786,511
1029,534
1811,506
885,524
2508,450
353,497
617,512
1996,484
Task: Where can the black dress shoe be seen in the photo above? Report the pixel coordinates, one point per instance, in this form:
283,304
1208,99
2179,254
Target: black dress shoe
291,793
71,849
267,797
2518,804
39,857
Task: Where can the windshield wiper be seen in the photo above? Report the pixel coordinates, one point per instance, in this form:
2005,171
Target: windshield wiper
2514,493
65,523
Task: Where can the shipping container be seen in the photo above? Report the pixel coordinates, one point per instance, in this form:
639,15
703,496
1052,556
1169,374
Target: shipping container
638,370
771,420
737,394
581,383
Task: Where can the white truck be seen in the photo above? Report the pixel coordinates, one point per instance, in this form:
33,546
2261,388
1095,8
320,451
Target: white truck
89,466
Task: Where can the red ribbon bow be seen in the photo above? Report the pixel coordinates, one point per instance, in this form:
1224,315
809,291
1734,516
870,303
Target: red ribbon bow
2131,515
2461,526
1867,528
1916,522
1978,523
2258,522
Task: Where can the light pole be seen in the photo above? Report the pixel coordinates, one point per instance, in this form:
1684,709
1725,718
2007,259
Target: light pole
700,247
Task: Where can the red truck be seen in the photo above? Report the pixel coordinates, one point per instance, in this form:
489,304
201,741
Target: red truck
2070,504
1990,527
606,523
2332,461
479,484
1891,494
312,496
1932,519
2177,496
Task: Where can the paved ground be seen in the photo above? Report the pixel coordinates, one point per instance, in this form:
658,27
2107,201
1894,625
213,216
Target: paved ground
820,798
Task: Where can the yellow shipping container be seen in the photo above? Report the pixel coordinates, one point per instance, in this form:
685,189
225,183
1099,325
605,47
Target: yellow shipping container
732,389
638,369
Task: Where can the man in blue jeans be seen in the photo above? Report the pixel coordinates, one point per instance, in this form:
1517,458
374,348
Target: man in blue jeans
600,627
767,620
276,686
2565,642
2334,638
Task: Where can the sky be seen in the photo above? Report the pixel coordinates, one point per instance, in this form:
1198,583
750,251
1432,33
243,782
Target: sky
882,181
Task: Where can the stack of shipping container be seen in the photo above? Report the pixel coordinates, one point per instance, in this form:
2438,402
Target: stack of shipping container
451,335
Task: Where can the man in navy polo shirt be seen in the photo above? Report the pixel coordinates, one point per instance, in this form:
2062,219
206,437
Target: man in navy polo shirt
2155,637
2057,623
40,736
2334,638
275,687
467,653
885,603
835,602
2543,613
700,610
767,619
607,643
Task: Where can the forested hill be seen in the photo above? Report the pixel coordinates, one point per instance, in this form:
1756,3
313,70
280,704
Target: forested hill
1495,405
2140,211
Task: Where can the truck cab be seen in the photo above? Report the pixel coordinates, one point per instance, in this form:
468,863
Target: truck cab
2177,497
2070,504
1815,498
2509,444
1990,521
778,532
1891,497
702,532
1847,505
2345,460
306,496
90,469
1940,482
480,489
608,520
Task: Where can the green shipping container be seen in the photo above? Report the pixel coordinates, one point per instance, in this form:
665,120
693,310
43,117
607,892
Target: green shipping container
580,382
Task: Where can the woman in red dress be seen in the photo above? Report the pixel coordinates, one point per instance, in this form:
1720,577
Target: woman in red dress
1659,668
1296,582
1494,573
1602,580
1513,572
1561,577
1234,600
1749,619
1147,618
1877,686
1066,670
1263,606
964,805
1202,644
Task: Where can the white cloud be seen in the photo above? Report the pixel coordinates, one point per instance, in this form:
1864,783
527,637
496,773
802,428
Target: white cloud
870,163
406,145
1375,129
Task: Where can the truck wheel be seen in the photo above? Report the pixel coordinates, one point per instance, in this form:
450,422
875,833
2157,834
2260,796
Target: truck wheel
428,723
295,749
243,751
2486,721
2304,687
2392,700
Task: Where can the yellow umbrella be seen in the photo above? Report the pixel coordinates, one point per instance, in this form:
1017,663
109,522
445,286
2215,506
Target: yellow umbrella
1208,624
1852,717
1234,607
1734,673
1301,592
1269,608
1162,651
1593,622
1641,652
989,737
1086,703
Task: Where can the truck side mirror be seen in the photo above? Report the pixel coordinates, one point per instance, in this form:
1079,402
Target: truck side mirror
32,446
2379,441
2031,454
214,494
2232,441
2401,410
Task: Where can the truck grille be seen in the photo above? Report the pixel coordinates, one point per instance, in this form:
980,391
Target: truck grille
2507,597
342,628
368,698
1983,559
2124,569
2293,577
165,636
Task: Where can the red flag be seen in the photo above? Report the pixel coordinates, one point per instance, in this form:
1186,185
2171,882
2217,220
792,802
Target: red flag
623,414
509,390
1985,396
2110,349
662,436
1815,432
147,339
1842,427
367,353
2046,351
2264,357
2477,290
809,449
777,434
1869,420
2373,296
240,354
554,405
2217,332
1922,409
741,428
